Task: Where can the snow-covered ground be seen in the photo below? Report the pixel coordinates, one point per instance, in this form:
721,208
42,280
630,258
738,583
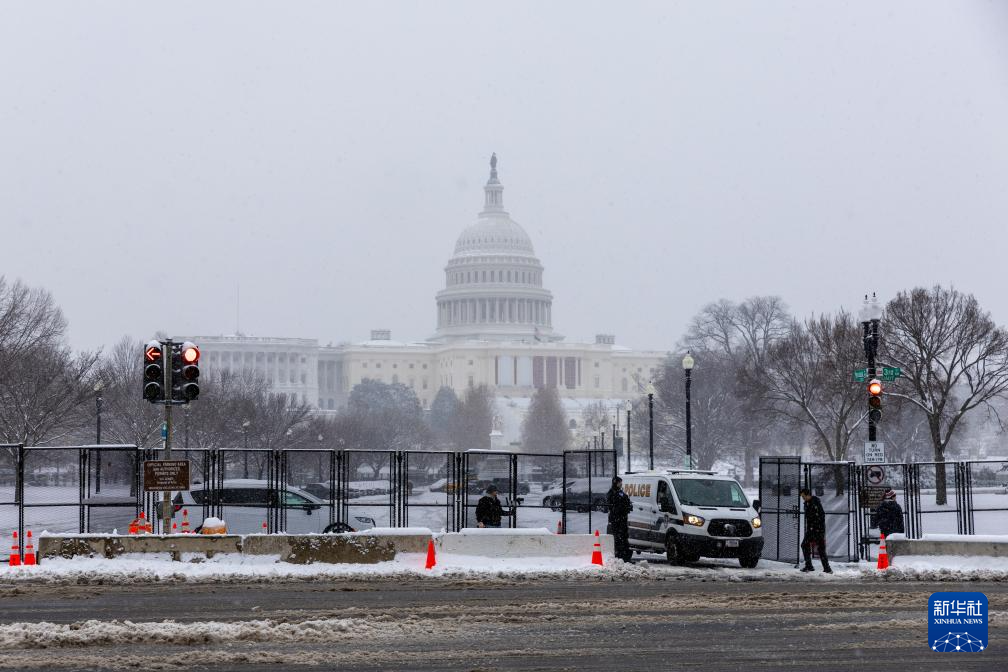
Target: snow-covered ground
146,568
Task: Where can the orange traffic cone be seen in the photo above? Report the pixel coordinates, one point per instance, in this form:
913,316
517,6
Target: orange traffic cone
185,521
134,526
883,557
144,525
15,553
265,528
560,526
174,527
597,551
431,560
29,550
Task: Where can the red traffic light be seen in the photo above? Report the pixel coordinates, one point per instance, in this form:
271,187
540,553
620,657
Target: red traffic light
875,387
190,353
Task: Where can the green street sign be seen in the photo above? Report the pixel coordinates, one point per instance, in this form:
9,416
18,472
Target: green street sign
891,373
860,375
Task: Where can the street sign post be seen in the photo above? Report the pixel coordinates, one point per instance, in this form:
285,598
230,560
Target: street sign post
874,474
891,373
874,452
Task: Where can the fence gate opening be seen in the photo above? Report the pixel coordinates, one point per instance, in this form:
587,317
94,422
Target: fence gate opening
780,480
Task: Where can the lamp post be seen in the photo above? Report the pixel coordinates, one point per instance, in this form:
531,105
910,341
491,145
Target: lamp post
98,408
245,426
628,407
650,422
687,365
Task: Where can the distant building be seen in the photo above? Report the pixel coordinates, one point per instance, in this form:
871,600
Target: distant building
494,327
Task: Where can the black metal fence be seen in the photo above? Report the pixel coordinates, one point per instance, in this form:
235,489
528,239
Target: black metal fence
84,489
968,497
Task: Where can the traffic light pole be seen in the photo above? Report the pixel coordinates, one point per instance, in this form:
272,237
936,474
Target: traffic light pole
166,512
871,347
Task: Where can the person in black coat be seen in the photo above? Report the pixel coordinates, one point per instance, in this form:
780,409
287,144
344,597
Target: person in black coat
488,510
619,509
815,531
889,515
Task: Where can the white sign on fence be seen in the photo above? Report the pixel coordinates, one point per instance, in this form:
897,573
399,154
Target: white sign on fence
874,452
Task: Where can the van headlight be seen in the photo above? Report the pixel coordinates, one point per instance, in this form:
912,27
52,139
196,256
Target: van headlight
756,522
690,519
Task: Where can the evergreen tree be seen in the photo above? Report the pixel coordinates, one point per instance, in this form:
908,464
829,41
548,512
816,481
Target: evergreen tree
443,412
474,419
545,427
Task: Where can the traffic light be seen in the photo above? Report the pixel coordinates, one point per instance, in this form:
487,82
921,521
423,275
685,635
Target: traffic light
153,389
875,400
190,355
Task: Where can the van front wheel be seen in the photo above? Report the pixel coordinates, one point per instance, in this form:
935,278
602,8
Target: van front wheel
673,553
749,561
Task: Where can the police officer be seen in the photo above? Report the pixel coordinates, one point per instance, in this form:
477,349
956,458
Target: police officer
815,531
488,509
619,509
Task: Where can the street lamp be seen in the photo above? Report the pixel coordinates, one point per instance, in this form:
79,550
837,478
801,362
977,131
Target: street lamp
245,426
98,408
629,407
687,365
650,421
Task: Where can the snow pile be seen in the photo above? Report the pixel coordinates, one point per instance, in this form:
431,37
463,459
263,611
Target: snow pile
942,568
45,635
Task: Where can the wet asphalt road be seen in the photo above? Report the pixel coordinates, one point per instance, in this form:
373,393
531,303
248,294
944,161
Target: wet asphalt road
506,625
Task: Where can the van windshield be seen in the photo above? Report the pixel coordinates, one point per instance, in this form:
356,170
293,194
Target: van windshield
709,492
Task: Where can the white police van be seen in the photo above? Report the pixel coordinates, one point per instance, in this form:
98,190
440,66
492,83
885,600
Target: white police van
689,514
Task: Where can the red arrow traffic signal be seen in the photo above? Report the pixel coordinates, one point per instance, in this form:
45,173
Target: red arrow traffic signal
153,353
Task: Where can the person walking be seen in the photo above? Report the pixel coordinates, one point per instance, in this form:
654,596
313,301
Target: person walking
889,514
488,509
619,509
815,531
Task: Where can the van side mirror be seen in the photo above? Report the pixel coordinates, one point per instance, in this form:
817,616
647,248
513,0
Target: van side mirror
666,506
756,504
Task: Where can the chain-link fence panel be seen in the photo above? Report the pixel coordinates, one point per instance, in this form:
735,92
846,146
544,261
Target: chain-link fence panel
431,480
937,504
540,491
10,492
309,498
988,497
779,484
112,493
366,489
835,486
587,477
54,492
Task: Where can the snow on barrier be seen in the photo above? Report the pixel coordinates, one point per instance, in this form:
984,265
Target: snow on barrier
520,543
994,546
366,547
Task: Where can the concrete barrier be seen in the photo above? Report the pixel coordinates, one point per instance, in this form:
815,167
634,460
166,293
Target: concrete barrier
521,543
308,549
994,546
111,546
368,547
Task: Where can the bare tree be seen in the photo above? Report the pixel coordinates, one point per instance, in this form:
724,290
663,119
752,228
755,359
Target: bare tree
474,420
743,333
954,360
805,378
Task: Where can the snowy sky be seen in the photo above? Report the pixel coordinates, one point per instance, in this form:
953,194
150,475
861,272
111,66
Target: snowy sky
325,155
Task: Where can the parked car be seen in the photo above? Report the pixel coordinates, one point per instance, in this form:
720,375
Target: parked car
247,503
578,497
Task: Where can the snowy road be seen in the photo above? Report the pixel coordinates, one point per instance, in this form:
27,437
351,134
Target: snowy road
483,624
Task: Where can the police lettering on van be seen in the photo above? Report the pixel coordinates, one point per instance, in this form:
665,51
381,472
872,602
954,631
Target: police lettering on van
689,514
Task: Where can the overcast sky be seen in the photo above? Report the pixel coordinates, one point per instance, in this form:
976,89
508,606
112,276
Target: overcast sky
325,156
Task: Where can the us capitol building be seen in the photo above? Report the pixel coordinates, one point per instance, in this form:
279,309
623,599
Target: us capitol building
494,327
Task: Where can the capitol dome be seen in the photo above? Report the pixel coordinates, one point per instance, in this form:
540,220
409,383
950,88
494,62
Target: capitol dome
493,282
